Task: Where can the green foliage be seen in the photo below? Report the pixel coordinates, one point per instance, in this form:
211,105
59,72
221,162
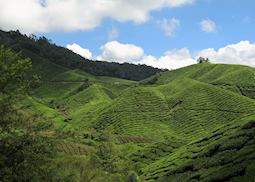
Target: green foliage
12,70
22,152
153,80
132,177
201,60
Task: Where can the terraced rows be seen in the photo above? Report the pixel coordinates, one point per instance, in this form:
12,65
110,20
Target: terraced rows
156,150
247,91
204,159
189,125
71,148
196,110
140,114
79,94
200,108
123,139
213,73
203,107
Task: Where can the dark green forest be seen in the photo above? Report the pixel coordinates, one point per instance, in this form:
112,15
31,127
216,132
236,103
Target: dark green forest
34,47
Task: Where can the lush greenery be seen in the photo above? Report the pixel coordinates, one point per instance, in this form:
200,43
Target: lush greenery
22,150
192,124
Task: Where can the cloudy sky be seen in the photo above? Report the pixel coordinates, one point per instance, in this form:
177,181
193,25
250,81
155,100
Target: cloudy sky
161,33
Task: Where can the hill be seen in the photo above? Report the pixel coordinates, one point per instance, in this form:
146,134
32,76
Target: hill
42,50
192,124
195,123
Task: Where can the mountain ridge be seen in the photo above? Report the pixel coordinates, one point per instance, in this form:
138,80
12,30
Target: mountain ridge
42,48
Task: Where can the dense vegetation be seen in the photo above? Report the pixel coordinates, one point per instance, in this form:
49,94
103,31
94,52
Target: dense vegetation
192,124
41,48
22,150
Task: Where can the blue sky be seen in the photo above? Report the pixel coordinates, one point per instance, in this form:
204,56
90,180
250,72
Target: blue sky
231,17
167,33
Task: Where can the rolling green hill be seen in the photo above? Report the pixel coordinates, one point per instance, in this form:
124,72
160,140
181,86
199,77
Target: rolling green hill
192,124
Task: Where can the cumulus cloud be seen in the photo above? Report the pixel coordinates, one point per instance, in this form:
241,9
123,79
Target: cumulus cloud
169,26
118,52
79,50
242,53
173,59
26,15
239,53
68,15
208,26
113,34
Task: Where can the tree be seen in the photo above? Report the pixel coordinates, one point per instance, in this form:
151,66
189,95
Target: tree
201,60
22,151
12,71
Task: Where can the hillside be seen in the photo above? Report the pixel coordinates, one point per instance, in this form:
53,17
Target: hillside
192,124
42,50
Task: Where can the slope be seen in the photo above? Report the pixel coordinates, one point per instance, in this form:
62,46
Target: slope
191,124
200,130
227,154
78,95
215,123
237,78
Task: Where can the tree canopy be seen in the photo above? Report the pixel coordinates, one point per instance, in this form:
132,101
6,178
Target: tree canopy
22,151
203,60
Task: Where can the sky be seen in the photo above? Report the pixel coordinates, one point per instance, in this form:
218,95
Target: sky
161,33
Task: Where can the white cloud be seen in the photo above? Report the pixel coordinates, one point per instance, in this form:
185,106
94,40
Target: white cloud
113,34
169,26
239,53
68,15
118,52
208,26
173,59
25,15
79,50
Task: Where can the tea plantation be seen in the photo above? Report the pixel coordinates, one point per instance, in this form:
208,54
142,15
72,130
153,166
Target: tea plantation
192,124
63,121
